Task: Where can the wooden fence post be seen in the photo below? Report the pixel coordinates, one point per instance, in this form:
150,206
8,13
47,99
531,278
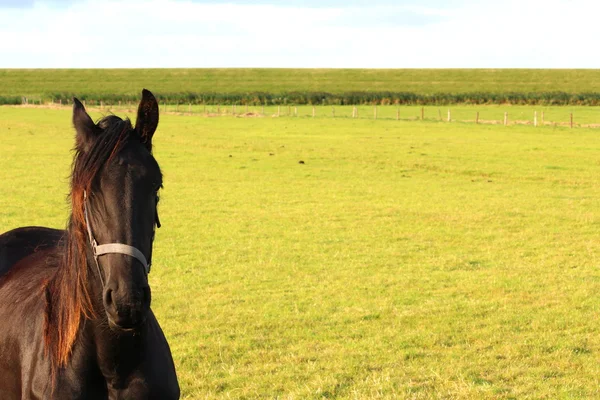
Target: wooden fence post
477,118
535,118
313,112
571,120
295,111
505,118
449,119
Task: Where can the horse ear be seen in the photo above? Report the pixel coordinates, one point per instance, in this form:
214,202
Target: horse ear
147,118
84,126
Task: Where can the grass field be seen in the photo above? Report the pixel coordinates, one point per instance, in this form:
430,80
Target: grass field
38,82
403,259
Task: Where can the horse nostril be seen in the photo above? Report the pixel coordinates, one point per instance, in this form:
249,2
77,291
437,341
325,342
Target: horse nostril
108,298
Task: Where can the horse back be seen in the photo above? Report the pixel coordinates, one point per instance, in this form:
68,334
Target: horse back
22,242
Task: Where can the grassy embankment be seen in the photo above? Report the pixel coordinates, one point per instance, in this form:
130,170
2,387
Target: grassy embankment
302,86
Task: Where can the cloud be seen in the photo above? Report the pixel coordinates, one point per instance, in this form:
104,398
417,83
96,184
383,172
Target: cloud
390,34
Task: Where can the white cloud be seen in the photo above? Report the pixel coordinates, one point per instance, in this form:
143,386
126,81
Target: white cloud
169,33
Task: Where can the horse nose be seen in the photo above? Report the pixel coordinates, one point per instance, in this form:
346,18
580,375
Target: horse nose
126,308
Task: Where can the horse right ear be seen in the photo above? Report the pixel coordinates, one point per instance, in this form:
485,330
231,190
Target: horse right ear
84,126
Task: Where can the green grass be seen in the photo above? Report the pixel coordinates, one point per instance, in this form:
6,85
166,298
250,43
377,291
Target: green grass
37,82
401,260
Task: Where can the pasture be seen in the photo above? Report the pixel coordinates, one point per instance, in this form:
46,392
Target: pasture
402,259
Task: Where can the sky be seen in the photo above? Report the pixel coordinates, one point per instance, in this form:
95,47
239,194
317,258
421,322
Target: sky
299,34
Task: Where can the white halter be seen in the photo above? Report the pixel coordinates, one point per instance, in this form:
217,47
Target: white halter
117,248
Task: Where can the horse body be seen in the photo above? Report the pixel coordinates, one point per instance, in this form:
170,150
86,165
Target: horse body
21,339
102,359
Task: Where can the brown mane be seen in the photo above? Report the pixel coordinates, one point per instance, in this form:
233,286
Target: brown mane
68,298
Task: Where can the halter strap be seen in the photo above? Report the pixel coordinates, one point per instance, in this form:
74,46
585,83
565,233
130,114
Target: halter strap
111,248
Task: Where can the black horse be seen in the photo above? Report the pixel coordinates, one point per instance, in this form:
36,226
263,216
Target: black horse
75,309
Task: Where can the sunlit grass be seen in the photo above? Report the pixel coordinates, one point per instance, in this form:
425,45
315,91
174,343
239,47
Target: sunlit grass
401,259
35,82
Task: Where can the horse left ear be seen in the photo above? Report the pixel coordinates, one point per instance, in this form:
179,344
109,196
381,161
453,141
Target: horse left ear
147,118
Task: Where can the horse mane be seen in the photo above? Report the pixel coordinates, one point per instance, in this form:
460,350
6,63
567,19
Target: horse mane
68,298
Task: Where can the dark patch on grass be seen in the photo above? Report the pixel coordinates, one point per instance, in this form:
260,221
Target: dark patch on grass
414,355
469,265
552,374
579,350
371,317
339,388
478,380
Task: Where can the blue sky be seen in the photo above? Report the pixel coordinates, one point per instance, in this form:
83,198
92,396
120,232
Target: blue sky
324,34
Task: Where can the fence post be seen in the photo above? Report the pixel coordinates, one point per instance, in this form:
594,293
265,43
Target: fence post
571,120
422,113
535,118
505,118
477,118
313,112
449,118
295,111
